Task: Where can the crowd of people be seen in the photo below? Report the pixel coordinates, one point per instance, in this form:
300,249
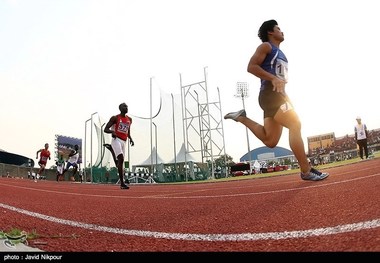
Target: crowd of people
362,142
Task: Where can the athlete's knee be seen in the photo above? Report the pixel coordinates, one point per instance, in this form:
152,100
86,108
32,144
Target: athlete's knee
271,143
271,139
120,157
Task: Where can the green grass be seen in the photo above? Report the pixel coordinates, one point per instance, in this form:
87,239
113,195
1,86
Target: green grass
16,235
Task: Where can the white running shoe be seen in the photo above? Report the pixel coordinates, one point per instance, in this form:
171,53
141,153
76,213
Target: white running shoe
314,175
235,115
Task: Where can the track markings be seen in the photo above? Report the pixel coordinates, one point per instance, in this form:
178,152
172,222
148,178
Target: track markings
375,223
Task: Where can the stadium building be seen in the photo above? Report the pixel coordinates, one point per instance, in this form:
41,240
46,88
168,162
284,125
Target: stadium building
15,159
264,153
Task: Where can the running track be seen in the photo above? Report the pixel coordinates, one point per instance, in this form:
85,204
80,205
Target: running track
281,213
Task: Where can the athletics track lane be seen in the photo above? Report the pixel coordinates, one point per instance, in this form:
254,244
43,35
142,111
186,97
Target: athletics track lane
281,213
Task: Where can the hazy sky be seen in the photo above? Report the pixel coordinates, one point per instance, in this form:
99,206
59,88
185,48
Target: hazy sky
61,61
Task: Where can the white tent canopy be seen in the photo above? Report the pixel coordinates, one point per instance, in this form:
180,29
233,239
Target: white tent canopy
152,157
180,158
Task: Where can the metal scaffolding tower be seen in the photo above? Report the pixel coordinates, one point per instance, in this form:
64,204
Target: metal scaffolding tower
202,122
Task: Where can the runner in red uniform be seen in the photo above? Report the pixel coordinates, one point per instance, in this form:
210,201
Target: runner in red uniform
44,156
120,128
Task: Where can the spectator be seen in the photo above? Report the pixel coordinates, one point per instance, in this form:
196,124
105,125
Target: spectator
361,136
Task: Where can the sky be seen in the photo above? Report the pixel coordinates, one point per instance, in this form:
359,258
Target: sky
63,61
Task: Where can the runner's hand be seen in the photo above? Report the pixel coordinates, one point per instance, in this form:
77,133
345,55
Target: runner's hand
278,85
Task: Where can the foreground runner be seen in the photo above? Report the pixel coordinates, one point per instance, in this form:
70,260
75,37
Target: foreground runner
120,128
270,64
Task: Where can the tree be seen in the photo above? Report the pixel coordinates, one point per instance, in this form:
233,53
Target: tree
222,164
224,160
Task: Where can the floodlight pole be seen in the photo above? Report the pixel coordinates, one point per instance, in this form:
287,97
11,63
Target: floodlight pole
246,131
242,91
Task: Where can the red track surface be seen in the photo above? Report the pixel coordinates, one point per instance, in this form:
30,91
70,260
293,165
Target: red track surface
282,213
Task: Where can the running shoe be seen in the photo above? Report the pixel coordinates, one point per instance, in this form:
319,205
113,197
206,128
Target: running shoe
124,186
314,175
235,115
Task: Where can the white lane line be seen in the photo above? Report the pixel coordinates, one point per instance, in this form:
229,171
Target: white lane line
208,237
172,195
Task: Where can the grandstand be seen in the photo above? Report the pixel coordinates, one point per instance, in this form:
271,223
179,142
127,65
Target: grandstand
15,159
328,148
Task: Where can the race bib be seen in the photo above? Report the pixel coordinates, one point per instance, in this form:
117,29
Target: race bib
282,69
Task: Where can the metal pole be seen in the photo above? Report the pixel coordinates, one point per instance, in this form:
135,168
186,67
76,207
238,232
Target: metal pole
224,144
151,128
209,129
92,124
175,150
246,131
101,150
200,125
155,138
242,91
84,150
185,139
129,155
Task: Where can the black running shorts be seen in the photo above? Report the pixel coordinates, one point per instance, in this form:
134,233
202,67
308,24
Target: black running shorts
270,101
